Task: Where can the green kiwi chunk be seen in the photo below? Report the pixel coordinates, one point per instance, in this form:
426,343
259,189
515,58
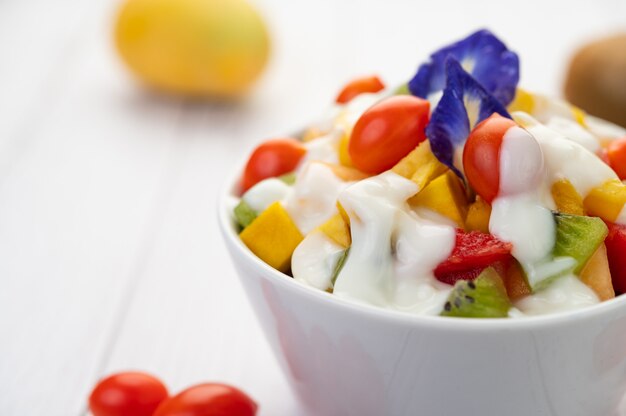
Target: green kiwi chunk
244,214
578,237
483,297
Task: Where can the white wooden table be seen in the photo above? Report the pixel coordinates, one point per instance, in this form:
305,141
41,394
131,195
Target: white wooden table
110,256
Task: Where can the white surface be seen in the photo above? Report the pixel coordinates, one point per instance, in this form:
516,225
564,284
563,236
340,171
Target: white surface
109,252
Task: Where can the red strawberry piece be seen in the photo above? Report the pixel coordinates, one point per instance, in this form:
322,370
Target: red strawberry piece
473,252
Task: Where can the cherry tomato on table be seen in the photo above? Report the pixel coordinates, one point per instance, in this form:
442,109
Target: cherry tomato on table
616,154
358,86
208,400
387,132
273,158
127,394
481,155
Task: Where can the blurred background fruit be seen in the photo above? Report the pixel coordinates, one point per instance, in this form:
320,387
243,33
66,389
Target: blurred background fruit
214,48
596,79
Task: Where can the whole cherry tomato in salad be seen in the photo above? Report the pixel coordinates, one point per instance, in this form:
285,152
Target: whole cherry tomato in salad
273,158
616,153
387,132
208,400
127,394
358,86
481,155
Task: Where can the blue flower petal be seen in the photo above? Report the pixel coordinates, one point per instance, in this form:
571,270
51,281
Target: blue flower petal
481,54
464,104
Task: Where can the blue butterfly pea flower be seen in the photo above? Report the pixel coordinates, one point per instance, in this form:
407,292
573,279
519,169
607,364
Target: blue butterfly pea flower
463,105
482,55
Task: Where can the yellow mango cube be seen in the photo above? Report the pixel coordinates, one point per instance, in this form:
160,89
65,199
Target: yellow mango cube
566,198
523,101
446,196
606,201
344,154
338,230
421,165
478,216
273,236
597,275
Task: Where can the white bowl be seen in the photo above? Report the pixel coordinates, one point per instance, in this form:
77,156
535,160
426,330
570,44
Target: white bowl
345,358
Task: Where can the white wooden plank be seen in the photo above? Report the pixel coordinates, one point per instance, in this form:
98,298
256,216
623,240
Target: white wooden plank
75,213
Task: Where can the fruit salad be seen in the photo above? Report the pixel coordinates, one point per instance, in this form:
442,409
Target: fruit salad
456,194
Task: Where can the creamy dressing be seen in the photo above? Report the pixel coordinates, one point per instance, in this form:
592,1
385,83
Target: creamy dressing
265,193
313,198
315,259
603,129
567,293
393,252
518,215
573,131
565,158
324,149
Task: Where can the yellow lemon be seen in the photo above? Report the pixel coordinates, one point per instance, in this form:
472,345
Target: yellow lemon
193,47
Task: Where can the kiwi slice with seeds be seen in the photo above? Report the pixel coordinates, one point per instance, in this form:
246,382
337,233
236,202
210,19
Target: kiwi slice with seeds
483,297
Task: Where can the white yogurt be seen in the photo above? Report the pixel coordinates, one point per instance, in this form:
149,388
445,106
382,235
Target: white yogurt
313,198
393,252
573,131
314,260
324,149
265,193
567,159
566,293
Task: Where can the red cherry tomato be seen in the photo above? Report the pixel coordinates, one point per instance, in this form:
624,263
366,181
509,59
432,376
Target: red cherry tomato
208,400
481,155
616,153
127,394
387,132
273,158
358,86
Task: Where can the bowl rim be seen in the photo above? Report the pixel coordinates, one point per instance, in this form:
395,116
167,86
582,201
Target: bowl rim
225,204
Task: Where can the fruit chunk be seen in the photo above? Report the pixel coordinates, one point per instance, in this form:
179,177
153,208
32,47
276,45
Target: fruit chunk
371,84
273,237
578,237
388,131
339,265
566,198
446,196
516,283
244,214
420,165
597,275
616,153
470,274
474,250
478,216
607,200
616,249
344,155
484,297
338,230
523,101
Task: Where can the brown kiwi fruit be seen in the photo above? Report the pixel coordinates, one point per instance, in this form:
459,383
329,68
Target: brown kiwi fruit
596,80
